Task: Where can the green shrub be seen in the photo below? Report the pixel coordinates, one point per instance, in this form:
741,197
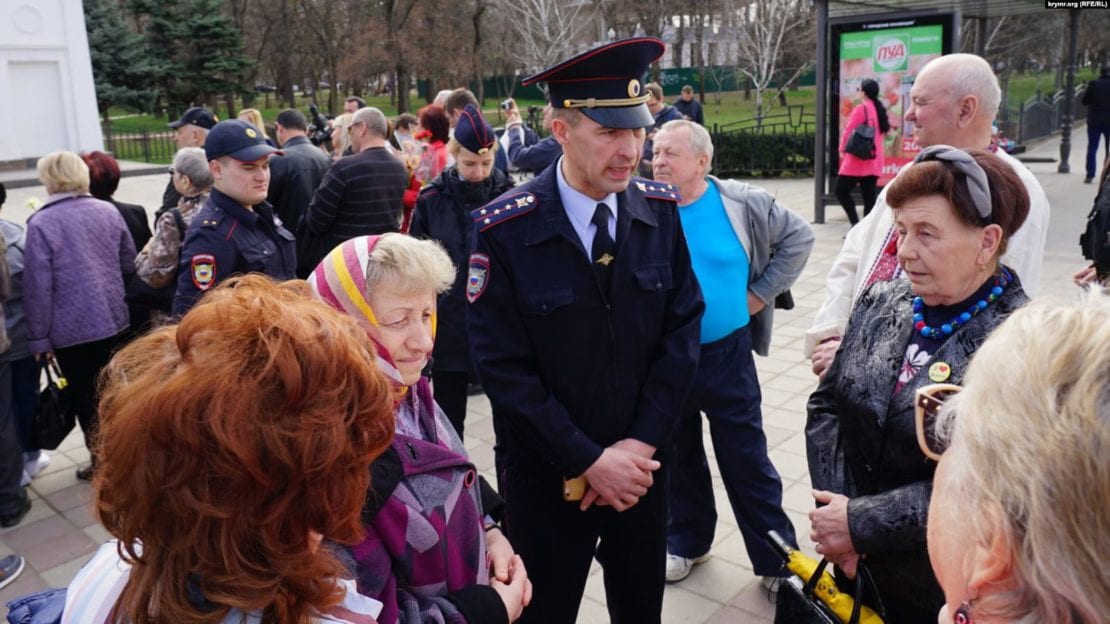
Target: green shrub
751,155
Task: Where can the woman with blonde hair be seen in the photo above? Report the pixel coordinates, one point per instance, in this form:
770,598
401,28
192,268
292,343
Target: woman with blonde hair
443,214
78,250
1019,523
253,116
234,443
341,135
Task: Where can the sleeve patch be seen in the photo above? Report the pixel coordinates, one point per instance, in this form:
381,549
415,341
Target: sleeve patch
203,270
478,276
657,190
504,208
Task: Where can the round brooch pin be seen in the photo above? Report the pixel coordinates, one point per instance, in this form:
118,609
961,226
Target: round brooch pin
251,133
940,371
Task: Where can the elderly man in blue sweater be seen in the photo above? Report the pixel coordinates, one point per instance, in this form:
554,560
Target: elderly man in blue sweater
746,249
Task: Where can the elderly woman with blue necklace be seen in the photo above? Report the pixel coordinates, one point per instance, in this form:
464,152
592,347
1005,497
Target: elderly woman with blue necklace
955,212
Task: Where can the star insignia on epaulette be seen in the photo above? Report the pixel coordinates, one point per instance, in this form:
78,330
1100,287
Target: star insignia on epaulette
658,190
504,209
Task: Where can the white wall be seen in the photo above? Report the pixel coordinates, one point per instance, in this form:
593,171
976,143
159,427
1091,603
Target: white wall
47,94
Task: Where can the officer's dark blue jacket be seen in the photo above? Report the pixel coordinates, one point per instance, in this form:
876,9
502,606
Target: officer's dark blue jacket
533,157
442,213
569,370
238,240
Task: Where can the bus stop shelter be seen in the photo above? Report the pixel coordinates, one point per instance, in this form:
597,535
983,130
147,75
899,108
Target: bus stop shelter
979,12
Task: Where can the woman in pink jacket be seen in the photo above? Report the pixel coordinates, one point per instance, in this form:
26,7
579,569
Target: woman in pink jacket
862,171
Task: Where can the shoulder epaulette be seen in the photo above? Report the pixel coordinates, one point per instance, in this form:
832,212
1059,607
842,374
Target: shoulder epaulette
653,189
209,220
502,209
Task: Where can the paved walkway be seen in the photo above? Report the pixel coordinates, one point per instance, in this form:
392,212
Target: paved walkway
59,533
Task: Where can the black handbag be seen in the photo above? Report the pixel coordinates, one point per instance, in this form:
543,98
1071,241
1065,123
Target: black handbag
803,606
810,596
54,418
862,142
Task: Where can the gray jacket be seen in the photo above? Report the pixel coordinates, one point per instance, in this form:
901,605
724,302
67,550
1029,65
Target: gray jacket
15,237
778,242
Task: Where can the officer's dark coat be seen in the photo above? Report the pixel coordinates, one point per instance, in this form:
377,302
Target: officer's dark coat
238,240
442,214
568,370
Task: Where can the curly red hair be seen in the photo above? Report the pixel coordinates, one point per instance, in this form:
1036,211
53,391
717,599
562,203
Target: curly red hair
225,440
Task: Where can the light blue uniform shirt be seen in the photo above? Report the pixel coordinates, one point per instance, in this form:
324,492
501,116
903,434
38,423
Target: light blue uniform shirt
580,209
720,264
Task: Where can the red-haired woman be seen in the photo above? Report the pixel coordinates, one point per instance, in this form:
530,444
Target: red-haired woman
233,443
104,177
434,131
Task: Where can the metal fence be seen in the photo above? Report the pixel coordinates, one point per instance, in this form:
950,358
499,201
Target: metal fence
142,146
767,146
1039,116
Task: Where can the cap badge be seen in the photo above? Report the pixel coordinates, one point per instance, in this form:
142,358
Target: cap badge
634,88
483,150
251,133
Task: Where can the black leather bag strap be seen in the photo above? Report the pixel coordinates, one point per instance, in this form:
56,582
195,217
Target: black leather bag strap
811,584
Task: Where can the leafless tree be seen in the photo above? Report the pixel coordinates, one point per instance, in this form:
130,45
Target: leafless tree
763,28
544,30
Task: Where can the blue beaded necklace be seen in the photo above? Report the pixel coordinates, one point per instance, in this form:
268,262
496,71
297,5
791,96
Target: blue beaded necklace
945,330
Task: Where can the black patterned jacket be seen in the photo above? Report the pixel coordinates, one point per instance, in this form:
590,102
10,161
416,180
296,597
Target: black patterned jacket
861,441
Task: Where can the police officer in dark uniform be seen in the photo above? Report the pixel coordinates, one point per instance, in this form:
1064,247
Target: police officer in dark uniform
235,232
584,326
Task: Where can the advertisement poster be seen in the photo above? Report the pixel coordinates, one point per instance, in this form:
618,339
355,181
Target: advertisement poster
892,57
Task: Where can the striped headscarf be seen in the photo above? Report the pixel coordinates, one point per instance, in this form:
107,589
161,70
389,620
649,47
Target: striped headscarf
340,281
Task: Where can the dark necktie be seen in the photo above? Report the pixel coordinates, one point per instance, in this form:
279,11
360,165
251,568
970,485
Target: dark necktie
603,251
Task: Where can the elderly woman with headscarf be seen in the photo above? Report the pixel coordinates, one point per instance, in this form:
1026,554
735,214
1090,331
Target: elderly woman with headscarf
954,212
1019,523
433,551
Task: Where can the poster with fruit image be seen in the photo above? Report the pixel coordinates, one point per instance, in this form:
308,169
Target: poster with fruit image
892,57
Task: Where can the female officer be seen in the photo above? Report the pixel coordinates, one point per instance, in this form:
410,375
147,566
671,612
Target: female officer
443,214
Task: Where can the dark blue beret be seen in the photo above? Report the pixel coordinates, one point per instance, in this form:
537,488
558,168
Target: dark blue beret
605,83
473,132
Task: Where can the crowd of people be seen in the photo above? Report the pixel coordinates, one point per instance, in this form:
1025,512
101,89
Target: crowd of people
284,362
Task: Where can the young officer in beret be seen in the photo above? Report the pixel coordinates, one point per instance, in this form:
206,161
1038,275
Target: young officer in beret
443,213
584,326
235,232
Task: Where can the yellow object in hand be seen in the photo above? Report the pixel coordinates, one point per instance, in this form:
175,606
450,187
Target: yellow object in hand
825,590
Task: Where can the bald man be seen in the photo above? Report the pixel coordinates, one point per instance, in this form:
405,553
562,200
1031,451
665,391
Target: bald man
953,102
